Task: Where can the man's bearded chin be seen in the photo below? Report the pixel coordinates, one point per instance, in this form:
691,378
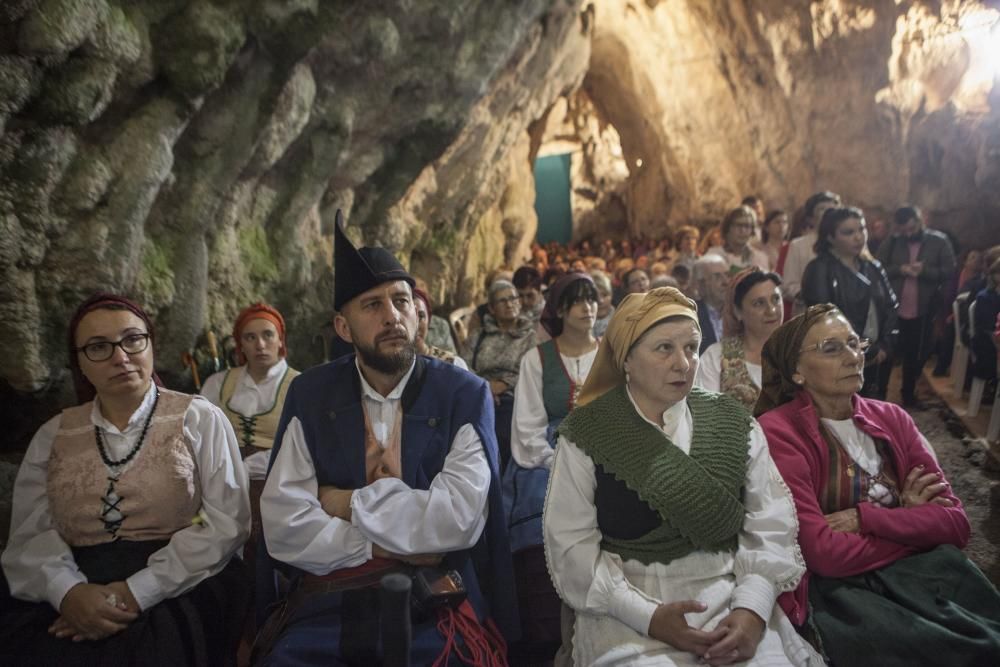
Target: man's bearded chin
389,364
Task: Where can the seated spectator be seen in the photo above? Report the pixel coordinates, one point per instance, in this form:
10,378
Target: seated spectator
686,244
635,281
711,277
476,319
495,355
983,351
667,527
663,281
549,382
710,240
438,331
125,529
422,304
658,269
605,309
252,396
529,287
737,229
879,526
772,237
386,462
843,274
682,274
753,311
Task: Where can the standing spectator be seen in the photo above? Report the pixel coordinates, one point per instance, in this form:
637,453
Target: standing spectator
801,250
984,356
843,275
737,230
755,204
711,274
772,238
919,261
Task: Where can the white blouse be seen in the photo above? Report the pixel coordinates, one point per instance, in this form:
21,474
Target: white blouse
448,516
39,565
591,580
249,398
528,444
709,374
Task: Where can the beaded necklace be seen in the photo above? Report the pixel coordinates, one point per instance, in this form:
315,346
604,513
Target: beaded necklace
111,515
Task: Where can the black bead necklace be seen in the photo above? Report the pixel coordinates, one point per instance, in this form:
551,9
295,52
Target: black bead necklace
138,445
111,513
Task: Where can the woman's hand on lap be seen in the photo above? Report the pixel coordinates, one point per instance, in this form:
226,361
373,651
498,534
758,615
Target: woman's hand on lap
743,632
86,611
669,626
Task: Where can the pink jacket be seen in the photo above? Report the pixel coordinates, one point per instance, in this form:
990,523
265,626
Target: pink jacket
886,535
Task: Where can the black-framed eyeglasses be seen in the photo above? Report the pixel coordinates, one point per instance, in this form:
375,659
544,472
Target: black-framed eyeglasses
507,301
102,351
834,347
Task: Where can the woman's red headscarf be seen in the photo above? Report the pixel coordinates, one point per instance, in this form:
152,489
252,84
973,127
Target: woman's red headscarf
85,391
258,311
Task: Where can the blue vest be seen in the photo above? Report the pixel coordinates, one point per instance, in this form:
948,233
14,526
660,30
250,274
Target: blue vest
437,401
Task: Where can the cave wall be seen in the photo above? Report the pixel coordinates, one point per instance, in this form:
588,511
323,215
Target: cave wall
192,153
883,101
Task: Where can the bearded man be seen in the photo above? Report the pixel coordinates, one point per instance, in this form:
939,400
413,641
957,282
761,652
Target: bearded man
385,461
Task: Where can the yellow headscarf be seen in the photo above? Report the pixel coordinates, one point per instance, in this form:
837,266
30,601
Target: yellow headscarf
633,317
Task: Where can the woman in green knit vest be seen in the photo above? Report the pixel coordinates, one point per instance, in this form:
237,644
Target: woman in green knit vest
667,527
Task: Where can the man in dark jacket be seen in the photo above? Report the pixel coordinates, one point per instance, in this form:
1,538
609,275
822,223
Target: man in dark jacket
919,261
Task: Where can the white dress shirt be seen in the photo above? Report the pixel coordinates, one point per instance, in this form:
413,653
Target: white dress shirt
39,565
449,516
600,586
800,253
249,398
528,445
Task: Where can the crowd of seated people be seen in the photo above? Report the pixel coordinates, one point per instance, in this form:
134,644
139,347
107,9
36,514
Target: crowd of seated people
586,460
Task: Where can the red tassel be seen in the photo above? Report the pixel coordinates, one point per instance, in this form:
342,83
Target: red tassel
484,646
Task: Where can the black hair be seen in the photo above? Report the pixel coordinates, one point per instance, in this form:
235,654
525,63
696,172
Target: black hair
751,280
527,277
830,222
576,291
767,221
682,272
905,213
819,198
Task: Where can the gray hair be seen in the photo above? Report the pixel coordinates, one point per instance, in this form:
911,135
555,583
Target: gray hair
602,281
497,286
705,261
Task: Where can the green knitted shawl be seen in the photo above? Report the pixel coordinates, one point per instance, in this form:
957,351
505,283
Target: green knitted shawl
698,495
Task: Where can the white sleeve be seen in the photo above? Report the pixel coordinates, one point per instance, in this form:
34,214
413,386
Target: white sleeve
448,516
768,559
795,267
297,530
587,578
202,549
460,363
528,444
709,374
38,564
212,388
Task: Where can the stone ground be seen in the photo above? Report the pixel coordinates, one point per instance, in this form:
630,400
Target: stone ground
972,471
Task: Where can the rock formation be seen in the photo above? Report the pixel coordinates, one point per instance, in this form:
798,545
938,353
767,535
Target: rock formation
192,152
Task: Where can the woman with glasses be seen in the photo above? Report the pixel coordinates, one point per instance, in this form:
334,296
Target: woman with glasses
879,526
128,511
846,275
495,355
752,312
737,230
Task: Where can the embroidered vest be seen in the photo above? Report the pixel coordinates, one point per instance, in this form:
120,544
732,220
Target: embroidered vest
159,490
443,355
735,379
559,392
697,495
255,430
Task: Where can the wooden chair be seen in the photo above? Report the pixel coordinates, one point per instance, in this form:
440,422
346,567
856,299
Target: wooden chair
458,320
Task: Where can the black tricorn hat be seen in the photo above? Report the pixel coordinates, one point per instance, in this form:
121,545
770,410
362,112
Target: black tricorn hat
360,269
